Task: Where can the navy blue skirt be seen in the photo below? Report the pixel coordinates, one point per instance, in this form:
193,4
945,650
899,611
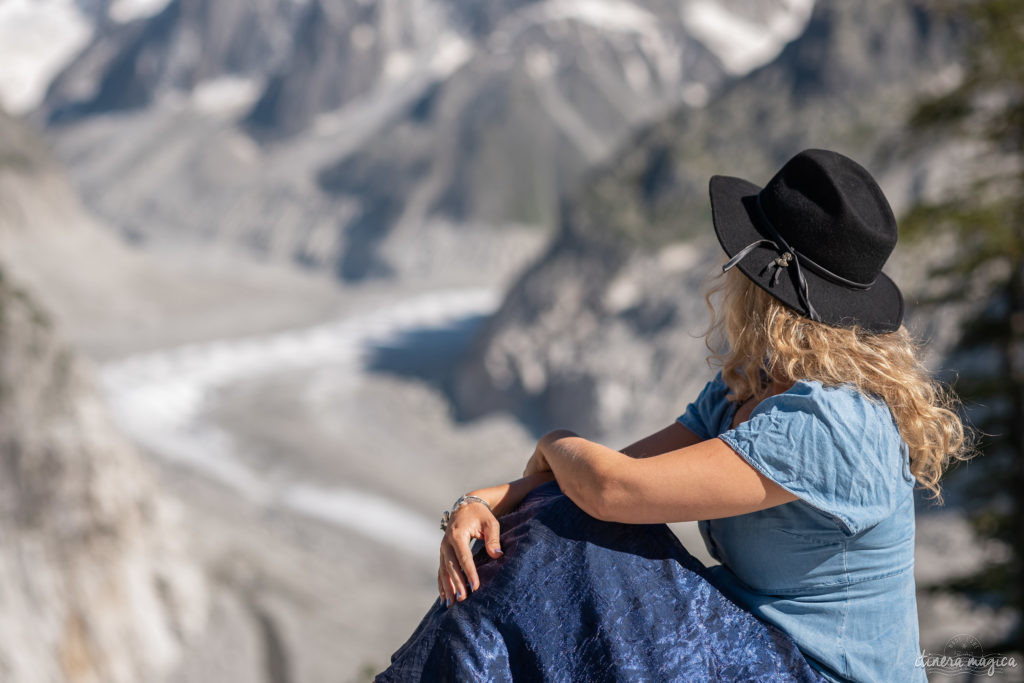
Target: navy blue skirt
577,599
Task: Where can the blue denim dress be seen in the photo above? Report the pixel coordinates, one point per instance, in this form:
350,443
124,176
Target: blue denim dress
833,569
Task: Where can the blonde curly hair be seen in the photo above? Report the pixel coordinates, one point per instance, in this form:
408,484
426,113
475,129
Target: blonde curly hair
755,332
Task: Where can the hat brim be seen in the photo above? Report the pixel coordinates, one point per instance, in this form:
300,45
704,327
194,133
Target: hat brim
878,308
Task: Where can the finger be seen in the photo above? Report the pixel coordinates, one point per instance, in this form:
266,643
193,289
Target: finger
465,558
454,571
446,585
492,537
449,589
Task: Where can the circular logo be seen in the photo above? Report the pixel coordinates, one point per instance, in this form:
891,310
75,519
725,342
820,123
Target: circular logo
963,645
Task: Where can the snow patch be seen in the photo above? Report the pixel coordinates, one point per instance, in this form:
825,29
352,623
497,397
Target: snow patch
679,257
38,38
123,11
622,294
370,515
743,44
452,53
441,60
638,75
226,96
540,63
607,15
398,65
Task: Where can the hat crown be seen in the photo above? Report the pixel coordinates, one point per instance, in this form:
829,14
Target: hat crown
829,209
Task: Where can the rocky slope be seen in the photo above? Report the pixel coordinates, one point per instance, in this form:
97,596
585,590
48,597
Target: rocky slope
97,582
111,298
95,579
102,577
603,333
369,138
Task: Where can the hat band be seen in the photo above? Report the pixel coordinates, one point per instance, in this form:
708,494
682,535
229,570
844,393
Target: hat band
789,255
806,260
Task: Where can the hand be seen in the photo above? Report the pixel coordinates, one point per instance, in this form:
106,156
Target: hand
458,570
537,463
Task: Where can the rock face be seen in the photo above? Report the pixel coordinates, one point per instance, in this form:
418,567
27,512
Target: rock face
353,136
112,299
130,64
95,581
76,270
636,243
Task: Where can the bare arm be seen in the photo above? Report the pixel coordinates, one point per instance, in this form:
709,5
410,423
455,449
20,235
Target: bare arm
457,571
705,480
668,439
504,498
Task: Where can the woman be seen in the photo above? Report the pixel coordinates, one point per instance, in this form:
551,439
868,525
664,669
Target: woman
799,459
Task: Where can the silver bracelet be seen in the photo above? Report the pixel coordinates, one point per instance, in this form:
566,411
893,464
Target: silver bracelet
447,514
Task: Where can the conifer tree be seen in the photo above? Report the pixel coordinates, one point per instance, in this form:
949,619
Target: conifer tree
986,214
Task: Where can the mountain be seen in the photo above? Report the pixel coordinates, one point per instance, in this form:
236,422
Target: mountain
230,44
603,332
97,580
367,138
96,583
110,298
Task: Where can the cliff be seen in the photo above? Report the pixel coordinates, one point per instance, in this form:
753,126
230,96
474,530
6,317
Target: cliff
95,579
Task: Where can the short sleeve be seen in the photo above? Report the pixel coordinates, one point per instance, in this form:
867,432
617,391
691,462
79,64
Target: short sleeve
704,415
832,447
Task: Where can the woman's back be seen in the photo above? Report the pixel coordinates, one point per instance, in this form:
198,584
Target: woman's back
834,569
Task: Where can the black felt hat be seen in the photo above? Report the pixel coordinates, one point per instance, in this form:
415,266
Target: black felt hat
815,237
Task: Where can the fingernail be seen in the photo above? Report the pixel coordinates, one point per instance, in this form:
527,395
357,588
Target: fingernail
497,550
447,603
458,596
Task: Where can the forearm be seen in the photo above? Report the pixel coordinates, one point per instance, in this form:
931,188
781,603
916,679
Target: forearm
504,498
668,439
583,468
